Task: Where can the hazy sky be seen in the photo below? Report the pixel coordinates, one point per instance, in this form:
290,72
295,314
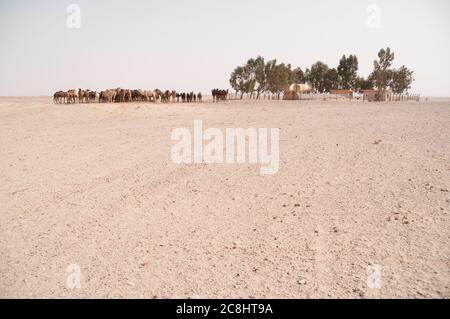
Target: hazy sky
195,44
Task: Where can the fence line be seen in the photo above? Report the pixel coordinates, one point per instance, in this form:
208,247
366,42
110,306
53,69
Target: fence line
322,96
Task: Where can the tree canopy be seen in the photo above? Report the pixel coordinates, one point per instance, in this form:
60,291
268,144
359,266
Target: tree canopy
257,76
348,72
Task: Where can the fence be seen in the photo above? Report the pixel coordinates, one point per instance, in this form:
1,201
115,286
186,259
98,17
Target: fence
404,97
325,96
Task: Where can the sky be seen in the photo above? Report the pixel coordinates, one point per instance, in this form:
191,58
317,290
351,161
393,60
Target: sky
194,45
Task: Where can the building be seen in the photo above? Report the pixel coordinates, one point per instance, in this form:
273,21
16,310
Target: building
292,91
343,93
377,95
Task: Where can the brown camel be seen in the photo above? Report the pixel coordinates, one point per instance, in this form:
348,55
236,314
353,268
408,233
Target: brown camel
219,95
60,97
120,95
82,96
92,96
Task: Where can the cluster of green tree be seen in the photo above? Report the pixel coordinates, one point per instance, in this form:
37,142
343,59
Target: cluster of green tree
257,76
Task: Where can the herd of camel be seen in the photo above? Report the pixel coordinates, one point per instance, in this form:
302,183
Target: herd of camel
124,95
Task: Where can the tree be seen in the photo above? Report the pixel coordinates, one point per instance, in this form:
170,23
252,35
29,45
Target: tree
242,80
270,75
382,73
257,68
289,75
384,76
331,80
317,76
260,76
299,75
347,72
278,76
307,74
402,80
363,84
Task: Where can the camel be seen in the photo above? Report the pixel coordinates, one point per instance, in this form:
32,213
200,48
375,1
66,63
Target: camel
188,97
174,95
107,96
224,94
87,96
112,95
56,96
219,95
145,95
142,95
165,97
137,95
82,96
123,95
158,94
150,95
92,96
60,97
101,97
128,96
72,96
120,95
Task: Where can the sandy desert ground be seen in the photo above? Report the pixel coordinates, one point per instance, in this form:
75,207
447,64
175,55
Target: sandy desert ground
93,185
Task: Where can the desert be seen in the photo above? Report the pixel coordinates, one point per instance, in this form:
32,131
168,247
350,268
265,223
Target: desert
92,188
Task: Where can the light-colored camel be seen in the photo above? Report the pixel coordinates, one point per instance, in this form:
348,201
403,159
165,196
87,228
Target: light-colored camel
72,96
112,95
107,96
149,95
158,94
